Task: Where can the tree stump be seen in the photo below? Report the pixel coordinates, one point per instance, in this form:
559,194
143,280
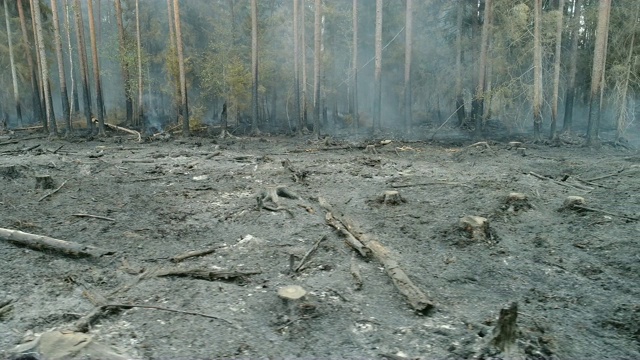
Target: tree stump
506,332
44,182
516,202
9,172
391,197
476,227
572,201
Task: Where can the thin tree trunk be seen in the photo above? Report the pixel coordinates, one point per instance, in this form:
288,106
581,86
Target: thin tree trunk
140,118
597,72
35,95
622,111
123,64
96,69
171,60
377,82
460,111
74,105
537,72
556,72
64,98
573,66
44,66
183,79
477,108
303,48
14,77
408,31
316,66
254,67
354,65
296,72
84,67
38,73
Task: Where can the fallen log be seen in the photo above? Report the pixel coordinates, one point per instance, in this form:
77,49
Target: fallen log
416,298
40,242
194,253
206,274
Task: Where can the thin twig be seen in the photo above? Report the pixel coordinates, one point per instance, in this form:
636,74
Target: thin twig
94,217
586,208
308,254
396,186
606,176
128,306
53,192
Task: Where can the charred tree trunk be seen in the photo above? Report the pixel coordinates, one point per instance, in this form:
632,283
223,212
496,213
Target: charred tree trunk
556,72
64,98
74,103
354,65
296,72
14,77
254,67
316,67
477,108
84,67
573,66
36,101
377,81
140,113
303,48
408,30
537,72
183,79
597,73
96,69
124,65
460,111
624,87
44,67
171,61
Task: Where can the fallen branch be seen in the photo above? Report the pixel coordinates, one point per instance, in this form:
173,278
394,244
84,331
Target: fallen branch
348,237
206,274
308,254
53,192
607,175
147,161
586,208
190,254
130,306
578,187
40,242
396,186
94,217
115,127
416,298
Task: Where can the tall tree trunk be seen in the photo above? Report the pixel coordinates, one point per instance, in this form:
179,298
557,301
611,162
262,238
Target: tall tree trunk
377,82
74,105
14,77
36,102
537,72
303,48
123,63
477,108
354,65
316,66
597,72
624,87
556,72
84,67
64,98
171,60
254,67
96,69
573,66
38,68
460,111
37,16
296,72
408,31
140,120
183,80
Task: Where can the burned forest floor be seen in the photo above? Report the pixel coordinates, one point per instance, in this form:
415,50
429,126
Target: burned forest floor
421,281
